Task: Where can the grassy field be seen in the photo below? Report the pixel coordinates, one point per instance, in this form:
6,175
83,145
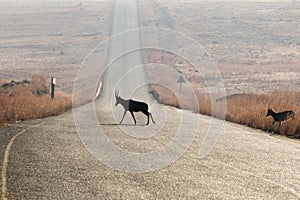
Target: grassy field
50,38
40,40
30,99
258,62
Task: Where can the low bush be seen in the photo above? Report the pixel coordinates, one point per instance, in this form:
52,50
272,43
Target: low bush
26,100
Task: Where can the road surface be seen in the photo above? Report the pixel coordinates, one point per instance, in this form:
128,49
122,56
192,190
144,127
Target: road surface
50,160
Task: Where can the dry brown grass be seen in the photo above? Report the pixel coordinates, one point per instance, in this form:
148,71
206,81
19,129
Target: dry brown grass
164,95
31,101
246,109
251,109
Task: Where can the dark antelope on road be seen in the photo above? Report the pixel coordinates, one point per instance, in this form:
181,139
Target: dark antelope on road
133,106
281,116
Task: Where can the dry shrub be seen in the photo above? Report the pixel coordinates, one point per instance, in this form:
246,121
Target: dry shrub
31,100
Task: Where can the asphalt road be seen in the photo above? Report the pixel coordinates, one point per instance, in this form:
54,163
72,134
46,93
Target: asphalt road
98,159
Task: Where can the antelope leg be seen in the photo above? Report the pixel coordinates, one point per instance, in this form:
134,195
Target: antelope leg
123,116
147,114
133,117
152,118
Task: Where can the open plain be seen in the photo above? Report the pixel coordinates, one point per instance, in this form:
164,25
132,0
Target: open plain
86,154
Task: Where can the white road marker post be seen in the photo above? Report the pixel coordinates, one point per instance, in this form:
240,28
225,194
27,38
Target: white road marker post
53,82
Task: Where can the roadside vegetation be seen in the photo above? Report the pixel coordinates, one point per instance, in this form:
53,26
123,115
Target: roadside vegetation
25,100
245,109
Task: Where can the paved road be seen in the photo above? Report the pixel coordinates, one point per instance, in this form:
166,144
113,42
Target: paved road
126,72
52,161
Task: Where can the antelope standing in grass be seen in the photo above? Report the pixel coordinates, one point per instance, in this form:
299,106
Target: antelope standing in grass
133,106
281,116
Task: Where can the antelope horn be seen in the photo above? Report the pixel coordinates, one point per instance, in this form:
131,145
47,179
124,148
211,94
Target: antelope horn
116,93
